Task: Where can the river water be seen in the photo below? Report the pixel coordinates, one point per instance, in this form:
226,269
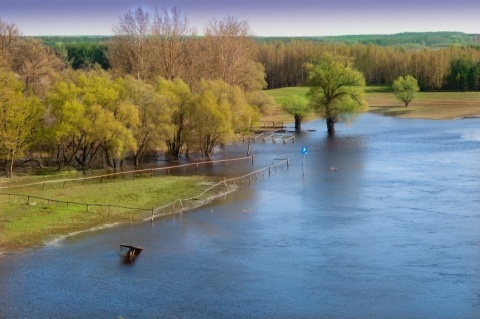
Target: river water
382,221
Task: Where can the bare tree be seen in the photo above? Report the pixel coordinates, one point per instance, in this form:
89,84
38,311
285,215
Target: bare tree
171,31
9,35
229,53
131,47
36,65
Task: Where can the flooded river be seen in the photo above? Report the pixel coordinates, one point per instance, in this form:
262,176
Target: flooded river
383,221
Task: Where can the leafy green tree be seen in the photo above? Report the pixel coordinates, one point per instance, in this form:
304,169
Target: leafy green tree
66,120
262,101
20,120
244,115
151,116
336,89
405,88
87,115
177,103
212,116
297,106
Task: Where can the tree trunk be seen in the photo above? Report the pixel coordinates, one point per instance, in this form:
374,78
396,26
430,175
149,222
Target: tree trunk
298,122
330,126
10,168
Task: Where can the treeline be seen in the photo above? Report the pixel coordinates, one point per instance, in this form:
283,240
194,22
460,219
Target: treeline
164,92
452,68
456,68
416,40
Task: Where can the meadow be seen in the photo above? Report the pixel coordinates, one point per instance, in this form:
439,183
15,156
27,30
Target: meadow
29,223
427,105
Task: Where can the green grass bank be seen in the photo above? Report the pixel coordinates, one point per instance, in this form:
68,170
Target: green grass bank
24,224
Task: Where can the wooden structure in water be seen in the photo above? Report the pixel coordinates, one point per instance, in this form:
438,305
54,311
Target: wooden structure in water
131,253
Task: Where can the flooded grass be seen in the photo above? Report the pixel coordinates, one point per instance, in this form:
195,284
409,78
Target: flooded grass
380,99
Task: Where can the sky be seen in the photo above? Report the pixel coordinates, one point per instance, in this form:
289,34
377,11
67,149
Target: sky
265,17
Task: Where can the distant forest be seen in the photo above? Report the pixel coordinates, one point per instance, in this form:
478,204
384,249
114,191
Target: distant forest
406,39
448,61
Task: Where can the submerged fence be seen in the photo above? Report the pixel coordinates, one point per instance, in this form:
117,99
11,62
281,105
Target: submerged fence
266,136
134,173
221,188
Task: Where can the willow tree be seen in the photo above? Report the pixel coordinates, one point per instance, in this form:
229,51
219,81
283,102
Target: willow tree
297,106
176,101
148,104
336,89
20,120
212,116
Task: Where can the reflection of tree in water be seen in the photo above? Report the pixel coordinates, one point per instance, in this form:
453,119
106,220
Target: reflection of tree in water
341,162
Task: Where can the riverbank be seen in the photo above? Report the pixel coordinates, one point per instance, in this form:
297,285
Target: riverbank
30,222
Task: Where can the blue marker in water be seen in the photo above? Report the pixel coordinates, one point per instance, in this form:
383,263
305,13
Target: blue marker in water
304,152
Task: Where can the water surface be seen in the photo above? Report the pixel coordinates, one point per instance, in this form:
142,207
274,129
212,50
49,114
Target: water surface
393,231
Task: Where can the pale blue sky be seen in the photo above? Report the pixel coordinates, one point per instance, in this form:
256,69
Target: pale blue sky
266,17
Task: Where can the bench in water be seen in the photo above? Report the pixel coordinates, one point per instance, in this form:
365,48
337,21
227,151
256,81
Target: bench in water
131,254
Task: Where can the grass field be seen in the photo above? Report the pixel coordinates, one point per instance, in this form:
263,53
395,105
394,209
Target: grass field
27,225
279,95
427,105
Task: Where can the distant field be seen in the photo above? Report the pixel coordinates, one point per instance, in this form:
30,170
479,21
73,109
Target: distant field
429,105
281,94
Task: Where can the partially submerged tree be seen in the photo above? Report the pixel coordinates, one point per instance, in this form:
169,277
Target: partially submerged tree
177,103
336,89
212,116
20,119
405,88
297,106
87,115
148,104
